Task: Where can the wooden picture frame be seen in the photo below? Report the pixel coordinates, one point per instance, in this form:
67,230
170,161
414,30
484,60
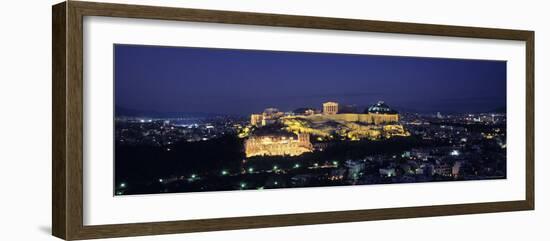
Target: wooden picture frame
67,152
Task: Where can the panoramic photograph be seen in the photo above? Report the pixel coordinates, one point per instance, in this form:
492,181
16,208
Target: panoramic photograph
190,119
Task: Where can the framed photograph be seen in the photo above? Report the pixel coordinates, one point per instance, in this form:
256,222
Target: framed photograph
171,120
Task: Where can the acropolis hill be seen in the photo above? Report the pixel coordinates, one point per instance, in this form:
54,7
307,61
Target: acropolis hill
275,133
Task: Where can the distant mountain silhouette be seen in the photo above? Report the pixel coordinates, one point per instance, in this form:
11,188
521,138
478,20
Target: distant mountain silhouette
127,112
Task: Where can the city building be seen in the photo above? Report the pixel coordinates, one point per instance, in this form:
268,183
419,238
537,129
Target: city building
456,169
387,172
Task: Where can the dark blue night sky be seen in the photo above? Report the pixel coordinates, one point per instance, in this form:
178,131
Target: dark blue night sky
228,81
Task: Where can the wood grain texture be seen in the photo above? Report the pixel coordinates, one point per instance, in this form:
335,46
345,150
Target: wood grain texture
121,230
74,121
530,120
59,192
279,20
67,79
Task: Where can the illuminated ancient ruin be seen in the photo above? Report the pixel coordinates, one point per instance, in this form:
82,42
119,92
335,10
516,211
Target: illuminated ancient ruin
278,145
294,130
330,108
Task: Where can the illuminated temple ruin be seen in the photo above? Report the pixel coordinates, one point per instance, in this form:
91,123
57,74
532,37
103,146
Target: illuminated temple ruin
278,145
330,108
377,114
278,133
